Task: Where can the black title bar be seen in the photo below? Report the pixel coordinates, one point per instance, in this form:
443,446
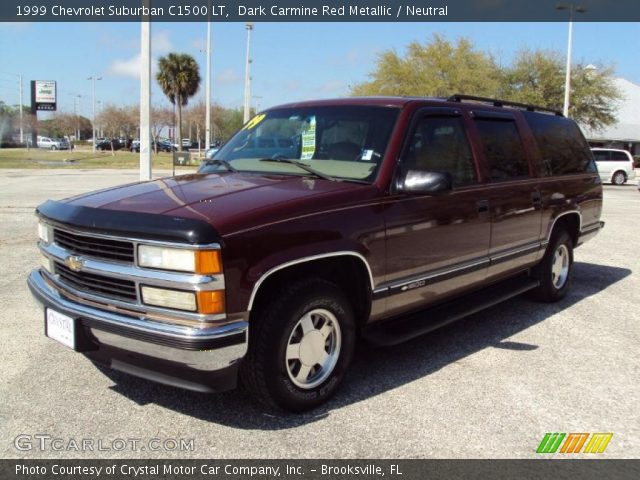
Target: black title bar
160,469
317,11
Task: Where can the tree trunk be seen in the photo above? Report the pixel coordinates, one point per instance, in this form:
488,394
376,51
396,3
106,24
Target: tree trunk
179,122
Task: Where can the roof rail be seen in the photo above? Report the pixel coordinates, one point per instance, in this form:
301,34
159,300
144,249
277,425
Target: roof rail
503,103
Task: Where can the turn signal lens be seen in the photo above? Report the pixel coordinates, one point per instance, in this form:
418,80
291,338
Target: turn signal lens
208,262
211,302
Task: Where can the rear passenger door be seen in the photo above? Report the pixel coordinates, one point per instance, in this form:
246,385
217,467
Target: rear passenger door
514,198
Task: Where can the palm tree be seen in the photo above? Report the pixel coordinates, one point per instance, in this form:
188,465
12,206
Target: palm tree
179,77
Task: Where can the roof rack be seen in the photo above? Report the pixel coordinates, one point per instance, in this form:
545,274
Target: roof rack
503,103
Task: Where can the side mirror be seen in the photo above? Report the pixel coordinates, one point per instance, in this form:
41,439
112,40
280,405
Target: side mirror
424,183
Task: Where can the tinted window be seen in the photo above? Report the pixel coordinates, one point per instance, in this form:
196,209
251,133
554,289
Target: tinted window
619,157
503,149
601,156
563,147
439,144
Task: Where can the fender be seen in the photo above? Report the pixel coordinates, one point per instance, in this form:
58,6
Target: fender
311,258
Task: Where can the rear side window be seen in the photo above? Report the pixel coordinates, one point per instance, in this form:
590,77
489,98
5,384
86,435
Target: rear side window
562,145
503,149
619,157
602,155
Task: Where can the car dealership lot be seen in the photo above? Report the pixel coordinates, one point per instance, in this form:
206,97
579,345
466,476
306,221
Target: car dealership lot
488,386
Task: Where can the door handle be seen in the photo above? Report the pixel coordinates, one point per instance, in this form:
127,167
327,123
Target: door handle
482,206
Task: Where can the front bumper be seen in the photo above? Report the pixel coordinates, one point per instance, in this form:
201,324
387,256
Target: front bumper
199,359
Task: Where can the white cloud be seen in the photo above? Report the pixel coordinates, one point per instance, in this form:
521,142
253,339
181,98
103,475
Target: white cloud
228,76
126,68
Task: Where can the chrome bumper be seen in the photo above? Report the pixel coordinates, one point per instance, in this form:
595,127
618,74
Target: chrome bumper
177,355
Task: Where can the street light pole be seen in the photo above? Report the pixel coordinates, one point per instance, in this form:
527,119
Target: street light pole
145,97
247,76
21,124
207,92
93,79
567,82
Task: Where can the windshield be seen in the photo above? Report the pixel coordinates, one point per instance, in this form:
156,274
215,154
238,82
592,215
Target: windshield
343,142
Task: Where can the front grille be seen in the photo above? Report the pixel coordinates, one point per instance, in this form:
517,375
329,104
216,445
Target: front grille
97,284
96,247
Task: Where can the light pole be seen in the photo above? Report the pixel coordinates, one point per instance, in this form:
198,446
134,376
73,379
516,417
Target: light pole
247,75
93,79
207,92
76,108
98,113
573,8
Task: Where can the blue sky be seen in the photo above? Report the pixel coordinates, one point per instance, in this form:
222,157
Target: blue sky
291,61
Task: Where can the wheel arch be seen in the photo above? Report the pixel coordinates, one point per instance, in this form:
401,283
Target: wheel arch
571,221
349,264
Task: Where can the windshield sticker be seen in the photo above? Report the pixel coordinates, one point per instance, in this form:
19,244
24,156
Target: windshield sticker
254,121
366,155
309,140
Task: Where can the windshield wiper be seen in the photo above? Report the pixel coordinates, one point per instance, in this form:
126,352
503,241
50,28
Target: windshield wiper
222,163
302,166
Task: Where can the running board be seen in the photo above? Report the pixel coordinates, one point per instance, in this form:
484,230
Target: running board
401,329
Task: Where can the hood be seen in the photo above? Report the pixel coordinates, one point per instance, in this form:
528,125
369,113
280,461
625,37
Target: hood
228,201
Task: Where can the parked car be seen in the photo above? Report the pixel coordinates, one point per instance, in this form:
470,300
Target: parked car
160,146
50,143
109,144
63,142
615,166
382,219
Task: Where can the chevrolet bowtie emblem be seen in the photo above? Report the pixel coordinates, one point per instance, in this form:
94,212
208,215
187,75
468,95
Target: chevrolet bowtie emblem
74,263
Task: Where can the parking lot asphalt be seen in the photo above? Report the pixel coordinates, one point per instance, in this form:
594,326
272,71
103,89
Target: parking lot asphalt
488,386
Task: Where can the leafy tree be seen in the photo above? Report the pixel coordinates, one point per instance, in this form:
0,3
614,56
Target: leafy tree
441,68
437,68
179,78
538,77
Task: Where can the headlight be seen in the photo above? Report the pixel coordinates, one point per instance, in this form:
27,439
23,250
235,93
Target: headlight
182,260
44,232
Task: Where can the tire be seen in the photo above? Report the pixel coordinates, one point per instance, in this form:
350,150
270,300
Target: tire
555,269
300,346
619,178
53,147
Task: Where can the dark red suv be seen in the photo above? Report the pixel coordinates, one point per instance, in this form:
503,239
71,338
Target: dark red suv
317,224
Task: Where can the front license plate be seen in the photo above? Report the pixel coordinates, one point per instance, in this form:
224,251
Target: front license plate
61,328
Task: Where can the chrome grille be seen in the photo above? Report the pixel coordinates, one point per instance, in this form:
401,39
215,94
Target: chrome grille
97,284
96,247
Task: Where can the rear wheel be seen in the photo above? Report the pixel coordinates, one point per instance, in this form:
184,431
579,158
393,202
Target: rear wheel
619,178
300,346
554,270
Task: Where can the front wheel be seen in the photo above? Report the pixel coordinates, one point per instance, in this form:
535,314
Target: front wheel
300,346
554,270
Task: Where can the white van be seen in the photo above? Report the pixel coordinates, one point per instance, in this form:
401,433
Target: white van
614,166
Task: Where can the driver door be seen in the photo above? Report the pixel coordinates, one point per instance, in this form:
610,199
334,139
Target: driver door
437,245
